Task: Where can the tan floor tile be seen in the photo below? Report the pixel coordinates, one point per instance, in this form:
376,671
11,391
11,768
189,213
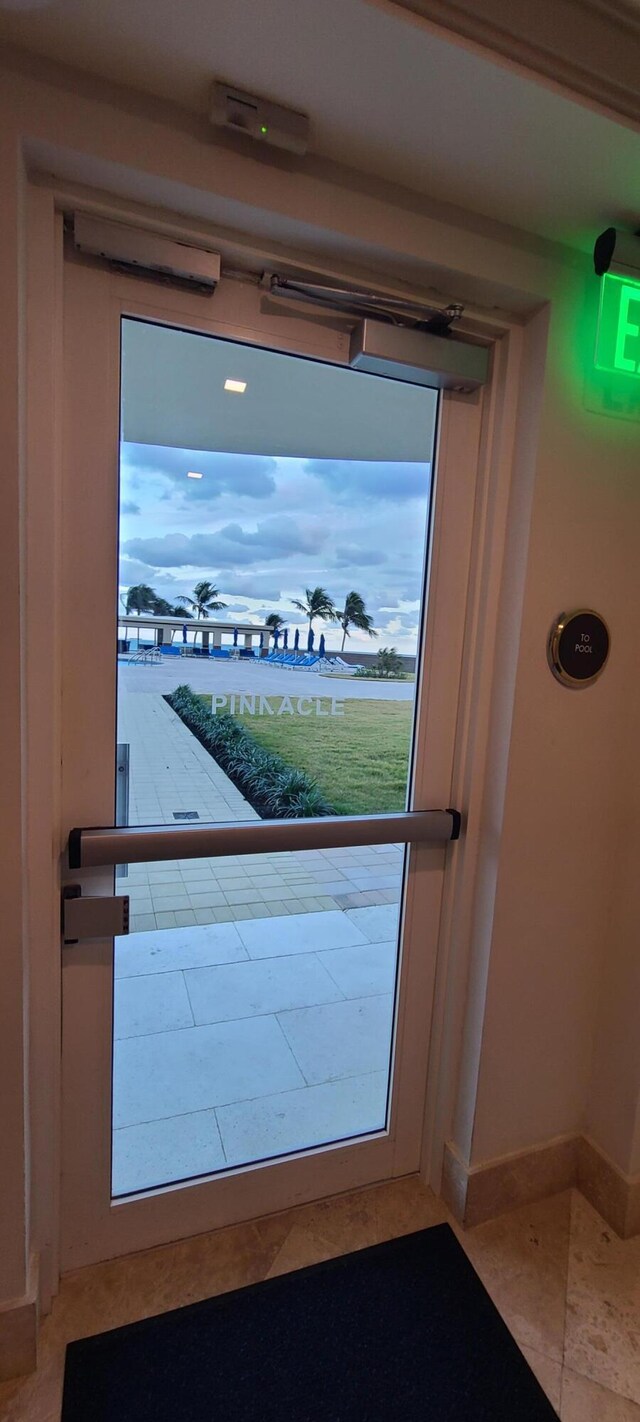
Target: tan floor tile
346,1222
522,1259
165,1278
603,1303
37,1398
119,1292
548,1372
586,1401
300,1248
403,1206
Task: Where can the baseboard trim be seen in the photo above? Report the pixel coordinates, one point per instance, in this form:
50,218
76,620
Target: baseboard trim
615,1195
478,1193
19,1331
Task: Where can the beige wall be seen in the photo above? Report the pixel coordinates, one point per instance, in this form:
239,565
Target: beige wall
550,957
560,882
613,1117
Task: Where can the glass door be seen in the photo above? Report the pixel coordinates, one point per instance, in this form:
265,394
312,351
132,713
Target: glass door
247,692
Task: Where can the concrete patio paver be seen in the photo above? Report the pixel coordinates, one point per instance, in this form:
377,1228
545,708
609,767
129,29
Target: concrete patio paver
273,1125
157,1002
340,1038
176,1148
291,1049
261,986
174,1073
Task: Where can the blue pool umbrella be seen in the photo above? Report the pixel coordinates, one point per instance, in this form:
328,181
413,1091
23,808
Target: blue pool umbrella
285,639
235,636
321,645
276,637
310,640
262,639
184,633
296,640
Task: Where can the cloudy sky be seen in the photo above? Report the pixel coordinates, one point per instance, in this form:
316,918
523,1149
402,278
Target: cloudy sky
263,529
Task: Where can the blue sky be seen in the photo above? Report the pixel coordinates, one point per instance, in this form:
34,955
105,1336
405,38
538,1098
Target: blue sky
262,529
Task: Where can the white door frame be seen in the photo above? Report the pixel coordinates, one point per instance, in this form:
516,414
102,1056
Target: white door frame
94,1226
469,716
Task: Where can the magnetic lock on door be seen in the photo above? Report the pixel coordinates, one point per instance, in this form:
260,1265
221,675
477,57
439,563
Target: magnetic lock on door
92,916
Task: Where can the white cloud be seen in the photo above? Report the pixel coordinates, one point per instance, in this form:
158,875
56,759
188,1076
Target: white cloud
276,530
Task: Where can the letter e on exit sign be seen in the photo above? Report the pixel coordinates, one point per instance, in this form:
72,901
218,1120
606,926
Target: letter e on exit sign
618,338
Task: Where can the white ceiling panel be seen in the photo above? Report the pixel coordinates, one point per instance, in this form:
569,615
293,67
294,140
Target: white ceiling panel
173,395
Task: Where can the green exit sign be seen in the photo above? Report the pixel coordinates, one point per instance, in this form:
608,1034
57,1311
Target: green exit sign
618,339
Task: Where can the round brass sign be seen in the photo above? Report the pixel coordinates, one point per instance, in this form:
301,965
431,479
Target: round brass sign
578,647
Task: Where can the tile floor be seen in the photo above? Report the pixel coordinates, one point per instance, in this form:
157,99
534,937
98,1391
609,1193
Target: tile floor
228,889
567,1288
257,1037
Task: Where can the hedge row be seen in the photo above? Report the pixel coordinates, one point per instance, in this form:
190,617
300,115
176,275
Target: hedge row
276,790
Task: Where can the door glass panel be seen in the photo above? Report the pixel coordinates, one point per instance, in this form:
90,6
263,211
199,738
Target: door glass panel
274,513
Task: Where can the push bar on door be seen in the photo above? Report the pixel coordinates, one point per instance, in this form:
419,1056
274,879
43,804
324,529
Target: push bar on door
142,844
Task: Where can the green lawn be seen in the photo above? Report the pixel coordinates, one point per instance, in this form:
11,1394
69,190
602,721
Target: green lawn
359,760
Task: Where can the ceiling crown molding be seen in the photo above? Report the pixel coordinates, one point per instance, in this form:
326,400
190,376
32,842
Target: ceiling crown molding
589,46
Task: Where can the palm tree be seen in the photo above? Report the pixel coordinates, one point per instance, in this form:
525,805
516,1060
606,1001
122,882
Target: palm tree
205,600
388,663
317,603
354,614
140,598
276,623
161,607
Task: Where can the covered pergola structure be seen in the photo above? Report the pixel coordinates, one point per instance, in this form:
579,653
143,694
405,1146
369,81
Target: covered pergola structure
250,636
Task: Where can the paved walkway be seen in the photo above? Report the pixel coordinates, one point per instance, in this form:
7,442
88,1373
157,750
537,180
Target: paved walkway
239,1042
169,771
